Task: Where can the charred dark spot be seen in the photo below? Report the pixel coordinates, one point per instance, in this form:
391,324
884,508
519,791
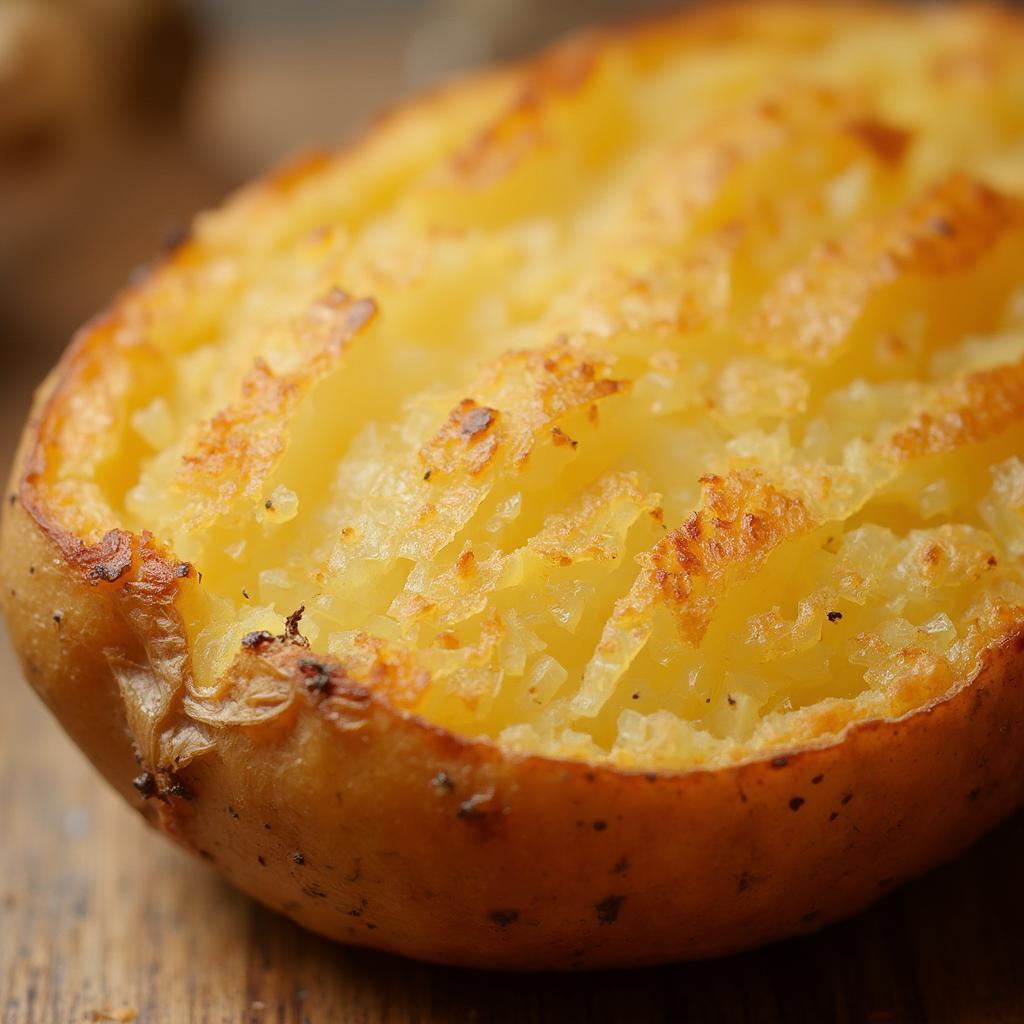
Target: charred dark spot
974,794
108,573
779,762
206,855
268,504
845,798
833,816
245,594
621,866
318,676
731,699
31,570
145,784
476,421
503,918
599,826
298,858
370,926
266,825
257,638
58,617
796,803
636,696
426,476
992,561
817,780
651,776
233,812
314,891
179,788
291,625
608,909
810,917
745,881
833,616
443,783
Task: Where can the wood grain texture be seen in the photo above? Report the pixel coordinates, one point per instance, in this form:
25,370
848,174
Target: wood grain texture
99,914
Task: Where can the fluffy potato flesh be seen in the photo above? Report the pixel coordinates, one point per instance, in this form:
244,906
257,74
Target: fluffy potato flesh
659,404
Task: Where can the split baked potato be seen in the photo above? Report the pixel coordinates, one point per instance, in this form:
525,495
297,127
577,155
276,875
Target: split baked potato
581,523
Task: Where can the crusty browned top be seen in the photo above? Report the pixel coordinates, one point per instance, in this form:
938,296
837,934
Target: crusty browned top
656,401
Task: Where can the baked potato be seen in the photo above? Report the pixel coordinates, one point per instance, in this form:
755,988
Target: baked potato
581,523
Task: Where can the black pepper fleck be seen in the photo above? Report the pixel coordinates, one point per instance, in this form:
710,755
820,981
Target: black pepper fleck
608,909
145,784
503,918
257,638
834,616
443,783
291,625
317,675
796,803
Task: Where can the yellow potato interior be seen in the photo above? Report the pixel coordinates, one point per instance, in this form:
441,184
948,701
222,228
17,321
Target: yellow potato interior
658,403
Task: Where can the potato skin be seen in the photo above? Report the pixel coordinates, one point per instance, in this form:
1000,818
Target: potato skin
372,826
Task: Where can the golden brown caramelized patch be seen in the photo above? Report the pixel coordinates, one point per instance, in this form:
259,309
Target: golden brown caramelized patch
683,422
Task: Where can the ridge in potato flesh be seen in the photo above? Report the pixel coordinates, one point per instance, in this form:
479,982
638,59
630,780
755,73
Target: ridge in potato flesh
581,523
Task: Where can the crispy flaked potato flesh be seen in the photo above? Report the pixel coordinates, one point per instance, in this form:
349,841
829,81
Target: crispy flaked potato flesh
582,522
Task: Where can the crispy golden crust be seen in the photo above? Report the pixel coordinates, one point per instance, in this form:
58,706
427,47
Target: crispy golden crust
328,784
449,850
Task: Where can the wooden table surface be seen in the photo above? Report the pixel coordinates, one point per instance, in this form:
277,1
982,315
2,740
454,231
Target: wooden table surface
101,919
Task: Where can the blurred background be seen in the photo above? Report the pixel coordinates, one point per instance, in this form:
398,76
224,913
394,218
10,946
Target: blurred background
120,118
